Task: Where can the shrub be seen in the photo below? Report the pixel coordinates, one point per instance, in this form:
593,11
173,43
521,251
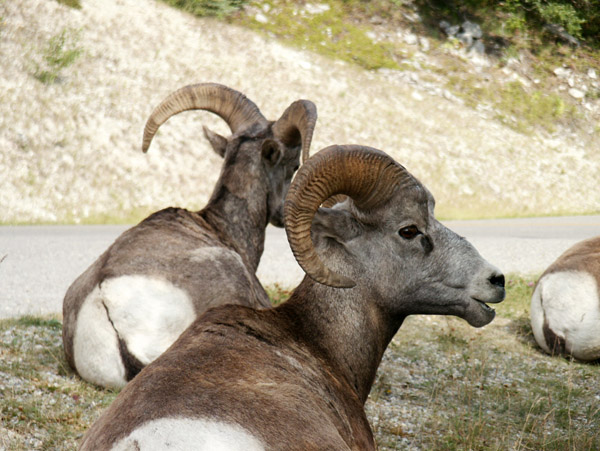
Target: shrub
76,4
217,8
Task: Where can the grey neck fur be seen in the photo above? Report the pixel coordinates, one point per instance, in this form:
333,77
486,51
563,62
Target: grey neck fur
241,219
346,328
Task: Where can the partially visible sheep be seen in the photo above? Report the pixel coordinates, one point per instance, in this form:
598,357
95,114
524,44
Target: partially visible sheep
296,377
137,298
565,306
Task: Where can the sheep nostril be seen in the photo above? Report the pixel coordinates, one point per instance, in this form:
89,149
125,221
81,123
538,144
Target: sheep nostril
497,280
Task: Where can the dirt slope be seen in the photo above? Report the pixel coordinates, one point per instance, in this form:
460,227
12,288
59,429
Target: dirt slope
70,150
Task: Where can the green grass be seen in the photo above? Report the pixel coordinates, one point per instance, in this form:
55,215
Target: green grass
216,8
442,385
43,404
61,52
330,32
491,388
75,4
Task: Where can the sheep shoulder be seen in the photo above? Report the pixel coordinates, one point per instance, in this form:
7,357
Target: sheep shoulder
246,367
585,254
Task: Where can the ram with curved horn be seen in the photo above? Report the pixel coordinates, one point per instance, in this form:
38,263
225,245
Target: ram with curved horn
150,284
296,377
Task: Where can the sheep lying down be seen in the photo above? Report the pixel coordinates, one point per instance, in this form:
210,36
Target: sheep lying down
135,300
296,377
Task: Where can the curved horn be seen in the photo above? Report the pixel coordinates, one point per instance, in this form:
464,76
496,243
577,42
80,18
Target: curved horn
369,176
299,118
232,106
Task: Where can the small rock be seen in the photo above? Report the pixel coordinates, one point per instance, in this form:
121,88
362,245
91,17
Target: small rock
592,73
465,38
261,18
478,47
424,43
576,93
561,72
561,34
411,39
415,95
450,30
472,29
316,9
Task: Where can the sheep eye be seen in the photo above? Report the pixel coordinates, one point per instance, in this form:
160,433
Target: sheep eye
408,233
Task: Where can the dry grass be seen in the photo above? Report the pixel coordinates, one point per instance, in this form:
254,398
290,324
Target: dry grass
442,385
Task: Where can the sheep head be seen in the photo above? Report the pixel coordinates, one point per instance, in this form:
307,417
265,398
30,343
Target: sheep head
258,149
384,239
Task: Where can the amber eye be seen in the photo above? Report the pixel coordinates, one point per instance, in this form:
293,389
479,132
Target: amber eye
408,233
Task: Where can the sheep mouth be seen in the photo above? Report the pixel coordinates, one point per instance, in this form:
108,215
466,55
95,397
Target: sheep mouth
484,306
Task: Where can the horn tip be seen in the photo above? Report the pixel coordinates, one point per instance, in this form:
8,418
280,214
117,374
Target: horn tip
337,281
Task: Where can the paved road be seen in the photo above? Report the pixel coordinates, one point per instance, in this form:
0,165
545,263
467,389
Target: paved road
40,262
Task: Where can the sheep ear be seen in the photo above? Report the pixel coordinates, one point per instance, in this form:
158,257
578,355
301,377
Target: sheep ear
271,151
336,224
218,143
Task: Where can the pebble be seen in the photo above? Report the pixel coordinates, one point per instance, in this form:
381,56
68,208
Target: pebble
576,93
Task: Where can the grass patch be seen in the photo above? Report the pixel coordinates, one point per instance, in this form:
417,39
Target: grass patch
442,385
325,28
75,4
201,8
43,404
480,389
277,294
61,51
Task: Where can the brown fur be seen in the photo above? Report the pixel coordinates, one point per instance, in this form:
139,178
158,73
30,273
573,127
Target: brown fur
163,244
296,377
233,364
583,256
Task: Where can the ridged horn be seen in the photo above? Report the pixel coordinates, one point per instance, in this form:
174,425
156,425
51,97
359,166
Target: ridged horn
232,106
367,175
299,118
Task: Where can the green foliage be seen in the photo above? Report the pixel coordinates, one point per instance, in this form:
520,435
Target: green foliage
60,53
579,18
76,4
561,14
518,107
216,8
329,32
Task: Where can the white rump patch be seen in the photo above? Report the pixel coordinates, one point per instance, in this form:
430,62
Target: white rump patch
149,315
95,345
188,434
571,306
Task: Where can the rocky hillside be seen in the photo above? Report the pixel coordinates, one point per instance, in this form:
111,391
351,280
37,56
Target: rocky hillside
76,86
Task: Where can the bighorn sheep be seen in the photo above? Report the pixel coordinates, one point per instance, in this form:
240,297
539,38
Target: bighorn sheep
137,298
296,377
565,305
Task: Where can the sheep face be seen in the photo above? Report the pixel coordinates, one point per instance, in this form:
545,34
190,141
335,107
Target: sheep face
279,163
410,261
258,156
